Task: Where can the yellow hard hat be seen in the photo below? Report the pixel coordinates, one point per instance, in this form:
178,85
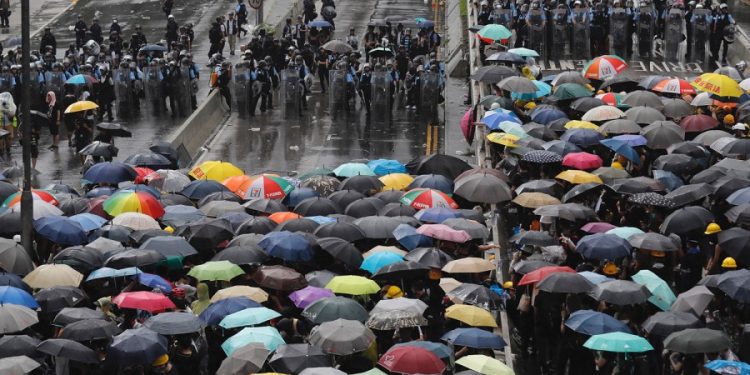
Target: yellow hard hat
712,228
610,269
729,262
729,120
617,165
394,292
169,230
530,105
160,361
508,285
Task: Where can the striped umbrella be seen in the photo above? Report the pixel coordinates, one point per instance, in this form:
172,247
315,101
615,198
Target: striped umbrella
428,198
674,86
131,201
266,186
604,67
41,195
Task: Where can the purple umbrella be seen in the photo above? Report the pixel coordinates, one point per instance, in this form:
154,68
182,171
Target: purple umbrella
309,294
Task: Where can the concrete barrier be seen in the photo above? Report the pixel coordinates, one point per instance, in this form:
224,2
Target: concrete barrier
198,129
455,54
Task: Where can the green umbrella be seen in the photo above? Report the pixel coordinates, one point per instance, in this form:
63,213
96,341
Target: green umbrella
216,270
571,91
618,342
524,52
248,317
493,33
268,336
484,365
661,294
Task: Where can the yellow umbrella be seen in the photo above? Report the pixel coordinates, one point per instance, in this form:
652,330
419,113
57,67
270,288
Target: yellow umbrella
81,106
717,84
215,170
381,248
49,275
471,315
352,285
469,265
578,124
396,181
505,139
484,365
255,294
578,177
535,200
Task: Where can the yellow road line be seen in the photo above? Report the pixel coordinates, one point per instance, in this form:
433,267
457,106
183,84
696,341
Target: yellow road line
428,150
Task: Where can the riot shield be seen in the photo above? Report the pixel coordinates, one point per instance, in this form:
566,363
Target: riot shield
123,93
646,32
337,92
429,94
291,90
55,82
241,90
618,31
537,34
701,25
152,82
559,33
6,82
185,92
35,89
673,35
580,41
381,96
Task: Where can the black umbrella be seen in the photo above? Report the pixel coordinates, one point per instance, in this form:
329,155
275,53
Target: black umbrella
11,279
663,323
345,197
219,196
82,259
739,215
69,349
736,242
735,285
265,206
677,163
74,314
446,165
256,225
206,234
475,229
621,292
317,206
397,209
339,229
525,266
534,238
643,98
377,227
651,199
362,184
54,299
14,258
578,190
477,295
725,186
697,340
117,233
298,225
90,329
15,345
137,346
686,220
582,105
341,250
636,185
134,258
390,196
539,132
149,160
429,256
364,207
174,323
99,149
293,358
174,199
619,83
169,246
506,57
432,181
242,254
139,237
401,271
652,241
644,115
115,130
686,194
693,149
565,282
493,73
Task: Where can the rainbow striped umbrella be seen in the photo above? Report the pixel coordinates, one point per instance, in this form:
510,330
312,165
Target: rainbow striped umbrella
428,198
604,67
133,201
37,195
266,186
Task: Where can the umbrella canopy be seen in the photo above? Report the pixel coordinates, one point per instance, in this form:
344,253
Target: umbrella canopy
174,323
411,360
332,308
342,337
54,299
664,323
661,294
146,301
652,241
215,170
392,320
621,292
279,278
247,359
268,336
474,338
294,358
618,342
352,285
685,220
735,242
137,346
477,295
484,188
16,318
564,282
541,273
728,367
697,340
695,300
591,323
51,275
484,365
493,73
604,67
309,294
216,270
446,165
68,349
471,315
603,246
718,85
248,317
61,230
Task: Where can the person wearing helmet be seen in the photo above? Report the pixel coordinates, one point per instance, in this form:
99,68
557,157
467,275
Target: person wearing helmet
222,82
719,38
172,35
80,29
717,255
48,40
365,87
137,40
728,264
728,120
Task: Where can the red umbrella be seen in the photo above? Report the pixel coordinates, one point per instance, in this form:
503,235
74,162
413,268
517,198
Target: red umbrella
467,125
582,161
411,360
698,123
96,206
674,86
142,172
597,227
541,273
146,301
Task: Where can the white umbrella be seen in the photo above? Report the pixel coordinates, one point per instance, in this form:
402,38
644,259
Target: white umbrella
136,221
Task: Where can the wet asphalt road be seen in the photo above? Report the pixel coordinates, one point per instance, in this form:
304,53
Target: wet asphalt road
270,143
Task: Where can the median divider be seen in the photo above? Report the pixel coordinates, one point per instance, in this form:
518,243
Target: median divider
199,129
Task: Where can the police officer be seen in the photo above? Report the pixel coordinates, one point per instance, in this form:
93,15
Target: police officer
365,87
96,31
80,30
720,33
172,35
48,40
264,80
137,40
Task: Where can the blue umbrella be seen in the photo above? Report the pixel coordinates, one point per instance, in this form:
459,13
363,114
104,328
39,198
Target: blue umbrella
11,279
106,273
433,181
474,338
739,197
591,323
437,215
216,311
15,296
61,230
180,215
319,23
603,246
424,23
79,79
154,281
407,236
89,221
547,114
289,246
440,350
298,195
668,179
382,167
633,140
198,189
379,260
582,137
110,173
623,149
542,89
100,191
493,118
728,367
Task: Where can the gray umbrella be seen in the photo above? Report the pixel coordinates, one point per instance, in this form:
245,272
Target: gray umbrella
739,215
341,250
245,360
695,300
247,239
697,340
16,318
483,188
475,229
525,266
342,337
174,323
321,371
477,295
708,137
567,211
429,256
652,241
54,299
219,208
677,108
569,77
18,365
643,98
293,358
266,206
339,47
493,74
664,323
332,308
14,258
170,246
693,149
610,175
621,292
90,329
535,238
579,190
620,126
644,115
686,219
69,349
319,278
99,149
519,85
678,164
377,227
662,134
565,282
15,345
73,314
637,185
389,320
538,186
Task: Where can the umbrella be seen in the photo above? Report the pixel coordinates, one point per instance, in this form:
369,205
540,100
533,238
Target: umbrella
471,315
216,270
137,346
484,365
652,241
569,77
542,90
342,337
664,323
135,221
517,84
248,317
685,220
407,236
718,85
677,163
728,367
620,292
268,336
734,285
603,246
661,294
396,181
364,207
89,329
493,73
130,201
133,258
698,123
352,285
603,67
603,113
651,199
677,108
506,57
331,308
378,227
306,296
16,345
146,301
109,172
81,106
618,342
591,323
429,256
735,242
61,230
443,232
674,86
253,293
582,160
68,349
477,295
346,231
474,338
216,311
174,323
689,193
428,198
57,298
694,300
18,365
411,360
570,91
697,340
432,181
565,282
622,148
322,184
169,246
535,238
345,197
337,46
286,245
393,320
215,170
247,359
256,225
341,250
294,358
399,304
51,275
279,278
484,188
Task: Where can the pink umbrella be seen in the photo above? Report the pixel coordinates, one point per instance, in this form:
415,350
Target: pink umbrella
467,125
582,160
597,227
443,232
309,294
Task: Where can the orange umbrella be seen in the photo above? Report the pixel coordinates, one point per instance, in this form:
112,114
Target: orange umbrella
281,217
236,184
